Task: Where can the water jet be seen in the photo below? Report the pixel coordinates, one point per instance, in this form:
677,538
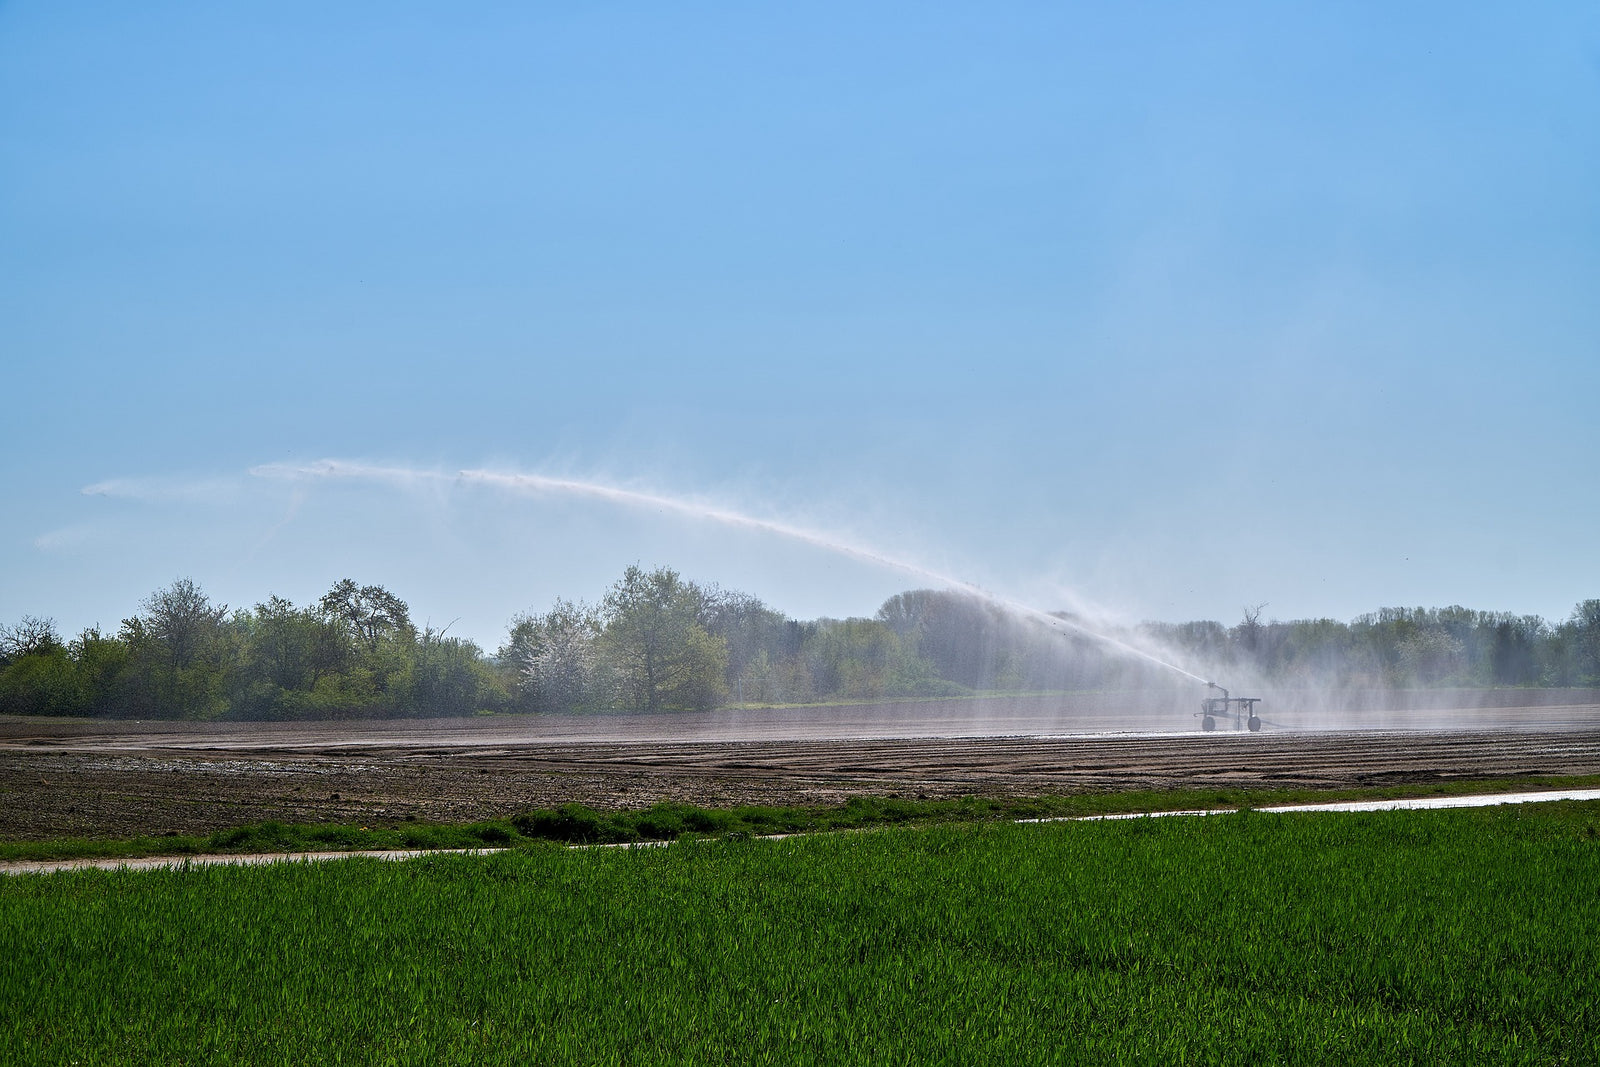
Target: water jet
535,484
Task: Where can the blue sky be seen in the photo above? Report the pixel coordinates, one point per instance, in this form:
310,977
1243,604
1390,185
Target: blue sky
1160,309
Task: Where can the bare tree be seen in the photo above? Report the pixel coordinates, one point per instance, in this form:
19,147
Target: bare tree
1248,631
182,620
30,636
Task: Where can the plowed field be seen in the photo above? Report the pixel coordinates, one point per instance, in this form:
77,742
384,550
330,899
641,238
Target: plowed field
109,777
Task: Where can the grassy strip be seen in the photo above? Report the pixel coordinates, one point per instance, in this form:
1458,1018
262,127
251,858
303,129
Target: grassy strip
1396,937
578,824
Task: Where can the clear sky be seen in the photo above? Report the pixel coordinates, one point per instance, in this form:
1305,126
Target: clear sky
1168,309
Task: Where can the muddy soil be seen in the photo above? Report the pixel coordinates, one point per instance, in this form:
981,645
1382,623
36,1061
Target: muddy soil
119,778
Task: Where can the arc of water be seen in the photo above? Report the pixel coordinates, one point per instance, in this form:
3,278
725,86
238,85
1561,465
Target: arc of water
540,483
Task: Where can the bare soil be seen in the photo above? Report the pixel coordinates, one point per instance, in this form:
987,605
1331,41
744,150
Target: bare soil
120,778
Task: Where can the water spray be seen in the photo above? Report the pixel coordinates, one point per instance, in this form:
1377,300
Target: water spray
539,483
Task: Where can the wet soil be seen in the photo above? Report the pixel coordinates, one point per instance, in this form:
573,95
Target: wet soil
121,778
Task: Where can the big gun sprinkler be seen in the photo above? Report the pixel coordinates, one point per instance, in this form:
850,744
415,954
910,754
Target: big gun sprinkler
1243,710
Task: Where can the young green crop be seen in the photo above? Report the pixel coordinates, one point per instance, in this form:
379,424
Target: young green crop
1454,936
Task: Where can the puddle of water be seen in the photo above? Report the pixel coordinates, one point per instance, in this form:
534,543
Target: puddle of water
1486,800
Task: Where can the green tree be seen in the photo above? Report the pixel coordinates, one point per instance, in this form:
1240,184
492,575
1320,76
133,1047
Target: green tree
370,612
763,645
293,647
99,662
655,646
981,645
36,671
177,653
284,654
378,624
1584,628
961,636
1514,650
864,659
446,676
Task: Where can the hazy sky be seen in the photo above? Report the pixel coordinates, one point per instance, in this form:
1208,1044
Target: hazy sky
1168,309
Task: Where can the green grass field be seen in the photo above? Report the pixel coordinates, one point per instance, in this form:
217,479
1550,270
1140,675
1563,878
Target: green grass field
1396,937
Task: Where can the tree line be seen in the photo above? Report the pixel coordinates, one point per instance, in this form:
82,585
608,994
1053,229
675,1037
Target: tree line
657,642
1403,647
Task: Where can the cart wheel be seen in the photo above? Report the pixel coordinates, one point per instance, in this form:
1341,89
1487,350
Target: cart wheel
1255,724
1208,724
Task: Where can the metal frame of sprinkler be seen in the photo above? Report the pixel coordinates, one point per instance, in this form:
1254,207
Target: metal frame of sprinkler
1243,710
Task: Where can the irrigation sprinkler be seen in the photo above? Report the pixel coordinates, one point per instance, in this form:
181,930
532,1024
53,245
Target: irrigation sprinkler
1243,710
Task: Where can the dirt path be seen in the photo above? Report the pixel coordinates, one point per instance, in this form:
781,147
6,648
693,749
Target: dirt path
97,778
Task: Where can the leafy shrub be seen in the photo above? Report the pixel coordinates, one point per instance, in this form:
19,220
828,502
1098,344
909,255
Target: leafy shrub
575,824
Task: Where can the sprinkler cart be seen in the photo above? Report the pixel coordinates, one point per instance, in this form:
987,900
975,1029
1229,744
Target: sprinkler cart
1243,710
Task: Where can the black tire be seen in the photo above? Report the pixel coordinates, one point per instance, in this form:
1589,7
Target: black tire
1208,724
1255,724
